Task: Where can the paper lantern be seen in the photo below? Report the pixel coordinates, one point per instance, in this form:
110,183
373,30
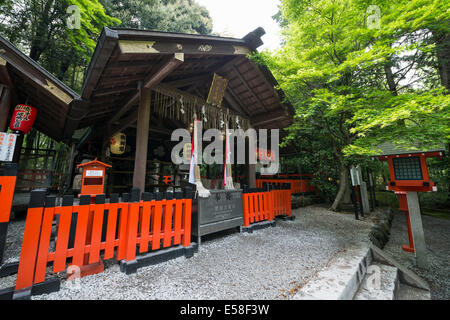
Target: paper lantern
23,118
118,143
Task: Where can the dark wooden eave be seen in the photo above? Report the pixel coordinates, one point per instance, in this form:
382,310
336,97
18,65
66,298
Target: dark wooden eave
59,108
126,58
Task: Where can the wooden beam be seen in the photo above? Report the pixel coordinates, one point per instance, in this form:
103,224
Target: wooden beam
268,117
166,47
235,103
151,81
143,123
188,81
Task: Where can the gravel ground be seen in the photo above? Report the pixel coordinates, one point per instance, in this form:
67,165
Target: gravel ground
272,263
437,238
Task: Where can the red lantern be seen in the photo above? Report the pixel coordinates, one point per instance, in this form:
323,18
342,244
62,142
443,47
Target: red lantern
23,118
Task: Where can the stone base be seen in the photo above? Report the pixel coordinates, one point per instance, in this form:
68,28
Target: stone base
257,226
48,286
152,258
285,217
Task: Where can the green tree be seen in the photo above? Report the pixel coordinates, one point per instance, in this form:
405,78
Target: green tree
41,28
162,15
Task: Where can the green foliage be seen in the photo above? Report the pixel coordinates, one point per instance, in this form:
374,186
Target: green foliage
354,85
163,15
40,28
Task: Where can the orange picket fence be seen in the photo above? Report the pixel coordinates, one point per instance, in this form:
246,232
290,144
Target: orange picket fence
264,204
281,196
257,206
162,223
8,180
85,231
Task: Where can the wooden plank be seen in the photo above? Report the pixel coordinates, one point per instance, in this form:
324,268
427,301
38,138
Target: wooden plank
168,215
132,228
65,217
80,235
123,212
165,47
113,213
177,222
44,243
30,243
145,226
156,225
187,223
97,224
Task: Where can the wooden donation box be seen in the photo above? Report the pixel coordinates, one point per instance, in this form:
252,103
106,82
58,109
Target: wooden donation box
222,210
93,181
92,184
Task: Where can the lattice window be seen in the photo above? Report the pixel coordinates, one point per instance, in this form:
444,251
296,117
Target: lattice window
407,168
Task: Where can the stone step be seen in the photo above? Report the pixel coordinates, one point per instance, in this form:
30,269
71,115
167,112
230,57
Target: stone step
341,279
381,282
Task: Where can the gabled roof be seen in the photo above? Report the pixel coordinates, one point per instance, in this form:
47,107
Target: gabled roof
388,149
59,107
94,162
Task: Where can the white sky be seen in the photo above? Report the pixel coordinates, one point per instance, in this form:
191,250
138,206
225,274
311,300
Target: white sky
236,18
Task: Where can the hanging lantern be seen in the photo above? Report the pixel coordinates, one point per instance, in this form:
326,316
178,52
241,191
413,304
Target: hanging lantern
23,118
118,143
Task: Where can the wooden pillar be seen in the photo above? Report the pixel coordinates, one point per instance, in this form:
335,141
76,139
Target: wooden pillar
417,229
143,123
251,168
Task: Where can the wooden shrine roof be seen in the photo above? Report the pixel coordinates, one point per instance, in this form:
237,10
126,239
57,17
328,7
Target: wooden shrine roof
124,58
389,149
59,107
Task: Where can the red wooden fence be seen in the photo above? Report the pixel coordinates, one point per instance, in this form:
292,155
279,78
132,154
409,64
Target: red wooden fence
266,203
87,230
7,185
257,206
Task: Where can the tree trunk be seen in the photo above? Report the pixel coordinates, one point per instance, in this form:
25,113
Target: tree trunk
390,79
343,186
443,57
347,199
